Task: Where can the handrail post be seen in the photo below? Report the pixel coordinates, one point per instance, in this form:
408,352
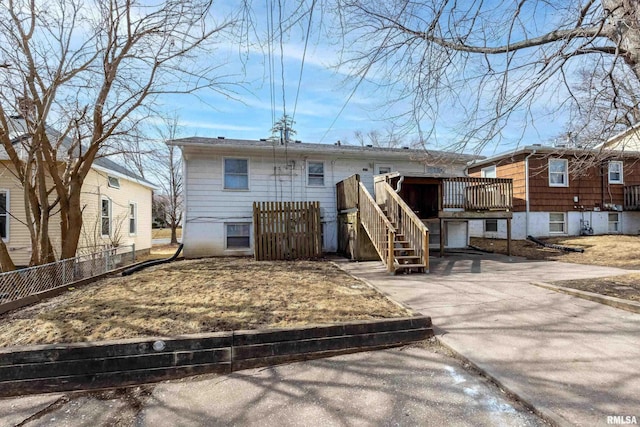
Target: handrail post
391,257
425,250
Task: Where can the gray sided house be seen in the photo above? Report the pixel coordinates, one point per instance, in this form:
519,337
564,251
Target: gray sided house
224,177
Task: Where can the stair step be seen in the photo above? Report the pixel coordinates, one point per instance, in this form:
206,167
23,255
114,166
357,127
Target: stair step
410,265
401,241
407,257
404,250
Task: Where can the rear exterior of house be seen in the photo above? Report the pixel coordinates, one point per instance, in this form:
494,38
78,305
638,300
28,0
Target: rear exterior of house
224,177
560,192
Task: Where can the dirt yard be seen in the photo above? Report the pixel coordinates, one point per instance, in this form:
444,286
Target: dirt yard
208,295
609,250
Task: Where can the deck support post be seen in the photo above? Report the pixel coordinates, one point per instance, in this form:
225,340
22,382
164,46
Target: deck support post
509,236
442,237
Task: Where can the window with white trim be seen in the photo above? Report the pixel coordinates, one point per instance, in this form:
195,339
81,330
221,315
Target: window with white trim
105,217
558,173
238,235
4,214
557,223
113,182
614,222
491,225
315,174
236,174
382,169
133,218
488,172
615,172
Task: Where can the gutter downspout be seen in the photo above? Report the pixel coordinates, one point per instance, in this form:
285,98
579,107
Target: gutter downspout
526,192
399,184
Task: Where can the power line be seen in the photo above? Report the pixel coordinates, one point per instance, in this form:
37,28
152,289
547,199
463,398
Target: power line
304,55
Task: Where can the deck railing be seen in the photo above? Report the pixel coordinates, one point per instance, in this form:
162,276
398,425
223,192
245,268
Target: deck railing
376,224
407,222
471,193
632,198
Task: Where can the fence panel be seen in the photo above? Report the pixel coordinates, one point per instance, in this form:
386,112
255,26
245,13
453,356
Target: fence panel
18,284
286,230
347,193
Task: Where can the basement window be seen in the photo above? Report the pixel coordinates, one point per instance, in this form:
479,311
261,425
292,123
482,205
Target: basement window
614,222
238,235
491,225
557,223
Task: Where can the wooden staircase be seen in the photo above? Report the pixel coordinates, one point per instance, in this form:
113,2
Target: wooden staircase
405,255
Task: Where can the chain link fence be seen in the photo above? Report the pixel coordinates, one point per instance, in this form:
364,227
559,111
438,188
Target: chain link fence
18,284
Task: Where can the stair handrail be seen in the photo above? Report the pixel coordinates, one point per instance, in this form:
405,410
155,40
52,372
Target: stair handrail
417,232
381,232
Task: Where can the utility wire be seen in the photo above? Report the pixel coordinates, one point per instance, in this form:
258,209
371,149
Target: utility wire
304,55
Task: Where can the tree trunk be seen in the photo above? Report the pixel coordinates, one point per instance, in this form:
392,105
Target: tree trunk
174,234
71,237
5,260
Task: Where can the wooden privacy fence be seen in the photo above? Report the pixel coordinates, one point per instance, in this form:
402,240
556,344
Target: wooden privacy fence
286,230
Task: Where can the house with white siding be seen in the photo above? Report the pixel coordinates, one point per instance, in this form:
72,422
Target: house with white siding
116,206
223,177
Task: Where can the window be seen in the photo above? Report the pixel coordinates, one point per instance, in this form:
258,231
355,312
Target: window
315,173
615,172
558,173
557,223
113,182
132,217
491,225
4,215
614,222
238,236
236,174
488,172
381,169
105,215
433,170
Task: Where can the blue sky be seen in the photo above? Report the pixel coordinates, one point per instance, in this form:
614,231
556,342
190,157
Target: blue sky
328,109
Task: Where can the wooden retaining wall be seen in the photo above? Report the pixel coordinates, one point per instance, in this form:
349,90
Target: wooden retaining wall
84,366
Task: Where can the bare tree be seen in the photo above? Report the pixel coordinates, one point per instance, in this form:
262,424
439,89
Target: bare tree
386,138
607,104
164,166
92,70
479,65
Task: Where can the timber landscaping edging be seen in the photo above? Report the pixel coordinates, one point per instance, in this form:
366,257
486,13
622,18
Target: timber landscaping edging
107,364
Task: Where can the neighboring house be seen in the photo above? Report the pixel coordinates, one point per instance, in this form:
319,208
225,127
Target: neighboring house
116,208
223,177
560,192
628,140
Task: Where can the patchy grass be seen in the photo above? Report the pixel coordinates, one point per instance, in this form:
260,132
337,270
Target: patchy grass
607,250
185,297
165,233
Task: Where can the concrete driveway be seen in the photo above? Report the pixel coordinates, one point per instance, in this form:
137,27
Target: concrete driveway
574,360
409,386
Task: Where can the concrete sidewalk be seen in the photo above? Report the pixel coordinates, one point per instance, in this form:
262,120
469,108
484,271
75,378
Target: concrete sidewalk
575,361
